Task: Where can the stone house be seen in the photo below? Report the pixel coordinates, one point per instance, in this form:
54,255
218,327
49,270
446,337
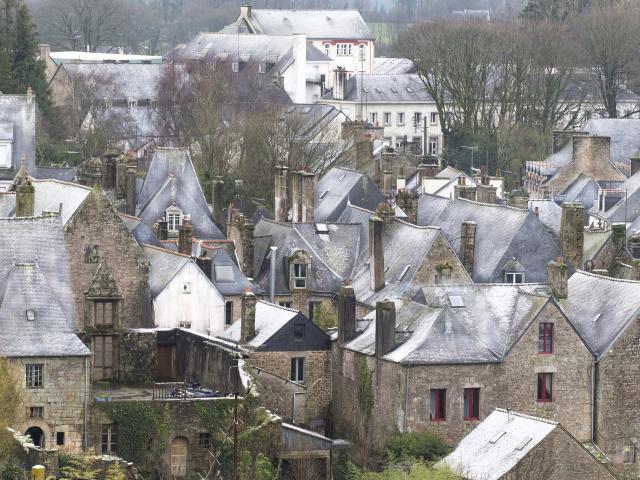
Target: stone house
289,357
38,333
445,360
510,445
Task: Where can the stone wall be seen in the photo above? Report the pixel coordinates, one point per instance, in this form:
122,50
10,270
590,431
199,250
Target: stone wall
317,380
442,265
62,399
138,356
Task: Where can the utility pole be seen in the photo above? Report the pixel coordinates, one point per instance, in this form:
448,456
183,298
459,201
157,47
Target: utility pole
473,148
235,436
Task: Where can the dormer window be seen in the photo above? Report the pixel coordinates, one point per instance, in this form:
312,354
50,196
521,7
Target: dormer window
235,67
174,220
300,275
514,277
514,272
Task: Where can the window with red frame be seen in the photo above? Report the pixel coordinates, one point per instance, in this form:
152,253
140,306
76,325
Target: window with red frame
545,387
545,338
438,407
471,403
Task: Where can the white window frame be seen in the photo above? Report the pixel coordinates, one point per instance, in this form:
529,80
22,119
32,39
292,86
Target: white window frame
171,214
374,117
343,49
400,119
511,277
417,118
34,375
433,146
433,117
297,373
300,275
327,49
386,118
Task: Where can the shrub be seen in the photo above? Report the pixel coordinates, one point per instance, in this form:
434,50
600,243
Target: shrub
426,446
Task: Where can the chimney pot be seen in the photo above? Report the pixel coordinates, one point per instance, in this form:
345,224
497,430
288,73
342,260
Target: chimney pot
185,238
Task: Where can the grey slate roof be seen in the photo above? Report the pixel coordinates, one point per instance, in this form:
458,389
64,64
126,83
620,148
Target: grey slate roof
240,282
340,186
601,318
549,213
164,265
479,457
140,231
584,190
34,275
315,24
502,233
392,66
18,111
627,209
484,330
375,88
171,180
333,255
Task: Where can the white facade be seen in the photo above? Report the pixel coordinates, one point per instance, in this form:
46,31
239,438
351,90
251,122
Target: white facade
355,56
190,300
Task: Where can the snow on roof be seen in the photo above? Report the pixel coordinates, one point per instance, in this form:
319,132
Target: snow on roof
95,57
269,319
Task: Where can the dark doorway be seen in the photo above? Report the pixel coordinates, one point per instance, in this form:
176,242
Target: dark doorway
165,363
37,435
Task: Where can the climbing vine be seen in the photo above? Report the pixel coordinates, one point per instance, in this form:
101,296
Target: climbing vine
366,387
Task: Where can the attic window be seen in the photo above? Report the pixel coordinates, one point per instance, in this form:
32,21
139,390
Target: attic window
235,67
322,228
497,437
456,301
524,443
31,315
514,277
404,272
393,90
132,102
224,273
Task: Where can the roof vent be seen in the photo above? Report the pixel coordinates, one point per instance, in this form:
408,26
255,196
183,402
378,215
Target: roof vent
342,177
322,228
456,301
497,437
524,443
404,272
324,194
31,315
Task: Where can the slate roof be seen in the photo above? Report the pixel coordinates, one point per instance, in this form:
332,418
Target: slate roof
601,319
269,319
584,190
34,275
333,255
484,330
594,240
374,88
140,231
240,282
164,265
171,180
18,111
549,213
392,66
340,186
315,24
627,209
497,445
502,233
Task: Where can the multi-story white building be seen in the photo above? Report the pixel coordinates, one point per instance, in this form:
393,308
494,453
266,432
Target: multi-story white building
398,103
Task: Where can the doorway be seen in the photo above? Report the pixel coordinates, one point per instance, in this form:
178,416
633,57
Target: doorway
37,436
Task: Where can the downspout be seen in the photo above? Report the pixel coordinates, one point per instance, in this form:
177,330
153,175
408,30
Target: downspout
86,402
272,280
406,399
594,403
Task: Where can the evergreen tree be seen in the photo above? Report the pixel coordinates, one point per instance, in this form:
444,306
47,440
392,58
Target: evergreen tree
554,10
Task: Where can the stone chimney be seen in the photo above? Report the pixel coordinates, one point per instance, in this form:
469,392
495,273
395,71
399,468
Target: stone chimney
486,194
281,203
185,238
558,278
25,198
339,83
45,52
346,314
468,245
590,153
121,177
387,180
376,253
247,316
572,232
295,195
109,171
163,229
462,190
241,231
131,189
217,194
407,201
245,11
204,261
385,328
635,165
303,185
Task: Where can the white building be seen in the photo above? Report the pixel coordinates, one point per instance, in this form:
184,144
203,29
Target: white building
398,103
182,294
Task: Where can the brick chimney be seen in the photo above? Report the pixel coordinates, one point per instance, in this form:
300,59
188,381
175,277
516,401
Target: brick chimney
558,278
281,187
385,328
590,153
346,314
468,245
376,253
247,316
241,231
217,193
131,189
339,83
572,232
185,238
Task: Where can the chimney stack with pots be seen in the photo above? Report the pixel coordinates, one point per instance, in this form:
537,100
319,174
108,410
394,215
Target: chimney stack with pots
217,194
281,203
185,238
558,278
346,314
131,189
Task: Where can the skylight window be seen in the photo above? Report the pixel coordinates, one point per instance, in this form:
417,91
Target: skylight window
224,273
456,301
324,194
409,90
378,90
524,443
404,272
497,437
322,228
342,177
31,315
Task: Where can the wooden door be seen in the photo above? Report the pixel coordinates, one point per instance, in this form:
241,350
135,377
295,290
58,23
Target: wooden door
179,457
165,363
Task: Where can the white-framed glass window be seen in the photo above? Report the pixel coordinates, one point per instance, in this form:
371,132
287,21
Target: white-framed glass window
514,277
235,67
400,119
361,53
386,118
297,369
34,375
132,102
433,146
433,118
417,118
5,154
373,116
300,275
343,49
174,220
327,49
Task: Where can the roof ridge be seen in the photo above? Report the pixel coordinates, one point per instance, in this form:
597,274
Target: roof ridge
279,306
511,207
126,215
166,250
62,182
524,415
619,280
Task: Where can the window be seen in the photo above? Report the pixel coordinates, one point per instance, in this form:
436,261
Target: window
400,119
298,331
285,304
5,155
59,438
153,102
297,369
545,387
343,49
36,412
514,277
132,102
374,117
235,67
102,357
262,68
361,51
174,219
417,118
204,439
433,146
104,313
471,403
386,118
34,375
109,440
327,49
545,338
438,406
108,102
300,275
228,312
417,142
434,118
31,315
